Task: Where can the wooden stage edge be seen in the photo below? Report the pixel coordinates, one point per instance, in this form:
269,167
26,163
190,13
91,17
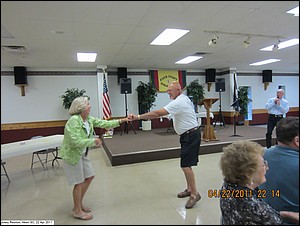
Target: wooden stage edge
167,153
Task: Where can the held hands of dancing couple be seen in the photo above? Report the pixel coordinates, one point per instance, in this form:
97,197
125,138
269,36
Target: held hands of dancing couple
132,117
98,141
148,115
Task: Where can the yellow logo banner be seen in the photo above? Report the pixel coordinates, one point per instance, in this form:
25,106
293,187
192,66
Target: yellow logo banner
165,78
162,78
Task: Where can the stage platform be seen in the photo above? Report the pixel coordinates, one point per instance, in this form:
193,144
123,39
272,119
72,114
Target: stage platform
163,143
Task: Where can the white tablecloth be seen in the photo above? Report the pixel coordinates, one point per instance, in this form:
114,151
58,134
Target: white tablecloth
200,115
29,146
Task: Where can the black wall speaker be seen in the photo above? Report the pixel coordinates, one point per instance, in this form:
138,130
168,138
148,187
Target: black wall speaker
210,75
122,73
20,74
267,75
220,84
125,85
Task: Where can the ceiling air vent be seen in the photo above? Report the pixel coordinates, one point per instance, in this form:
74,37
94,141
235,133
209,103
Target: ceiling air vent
14,49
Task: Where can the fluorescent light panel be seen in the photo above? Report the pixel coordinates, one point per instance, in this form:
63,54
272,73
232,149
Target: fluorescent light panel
188,59
86,57
294,11
282,45
168,36
269,61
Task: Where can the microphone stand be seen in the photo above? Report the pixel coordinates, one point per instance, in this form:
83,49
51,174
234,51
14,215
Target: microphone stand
126,128
234,125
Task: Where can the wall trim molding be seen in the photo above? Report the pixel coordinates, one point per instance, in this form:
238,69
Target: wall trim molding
132,73
61,123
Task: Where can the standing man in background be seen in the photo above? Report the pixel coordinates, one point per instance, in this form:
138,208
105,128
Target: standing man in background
277,108
185,124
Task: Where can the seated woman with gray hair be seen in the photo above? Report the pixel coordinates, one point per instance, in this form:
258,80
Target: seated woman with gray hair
241,202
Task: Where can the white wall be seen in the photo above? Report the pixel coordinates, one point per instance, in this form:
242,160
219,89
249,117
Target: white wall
42,103
261,96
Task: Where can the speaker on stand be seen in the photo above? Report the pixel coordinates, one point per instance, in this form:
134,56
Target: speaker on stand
220,87
125,84
122,73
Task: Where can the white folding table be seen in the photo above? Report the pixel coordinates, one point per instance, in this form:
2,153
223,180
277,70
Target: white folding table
29,146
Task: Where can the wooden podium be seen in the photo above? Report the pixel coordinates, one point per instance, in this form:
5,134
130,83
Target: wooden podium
209,133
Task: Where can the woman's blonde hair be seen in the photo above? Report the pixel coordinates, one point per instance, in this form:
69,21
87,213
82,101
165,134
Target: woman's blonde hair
240,161
79,104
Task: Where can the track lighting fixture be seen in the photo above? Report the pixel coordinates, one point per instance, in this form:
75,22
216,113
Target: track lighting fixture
213,41
276,46
246,43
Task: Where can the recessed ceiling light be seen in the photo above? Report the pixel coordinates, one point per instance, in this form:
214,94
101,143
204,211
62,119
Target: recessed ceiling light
168,36
269,61
294,11
86,57
188,59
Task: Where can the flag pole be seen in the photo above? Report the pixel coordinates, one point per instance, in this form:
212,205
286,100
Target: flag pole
235,104
234,127
106,109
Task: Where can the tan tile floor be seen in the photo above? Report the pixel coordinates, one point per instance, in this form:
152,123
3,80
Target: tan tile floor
134,194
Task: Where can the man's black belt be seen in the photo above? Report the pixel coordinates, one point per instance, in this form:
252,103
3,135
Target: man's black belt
190,130
276,116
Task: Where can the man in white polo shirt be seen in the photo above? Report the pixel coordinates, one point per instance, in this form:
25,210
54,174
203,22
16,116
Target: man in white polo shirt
185,124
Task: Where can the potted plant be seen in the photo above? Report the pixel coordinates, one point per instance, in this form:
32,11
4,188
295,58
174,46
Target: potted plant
196,92
244,100
70,95
147,94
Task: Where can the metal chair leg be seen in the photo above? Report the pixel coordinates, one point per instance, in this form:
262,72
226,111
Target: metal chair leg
41,161
5,172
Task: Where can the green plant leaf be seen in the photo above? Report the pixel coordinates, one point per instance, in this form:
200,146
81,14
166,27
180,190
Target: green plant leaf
196,90
244,100
70,95
147,94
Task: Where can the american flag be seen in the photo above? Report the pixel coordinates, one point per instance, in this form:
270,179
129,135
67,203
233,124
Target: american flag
106,101
235,103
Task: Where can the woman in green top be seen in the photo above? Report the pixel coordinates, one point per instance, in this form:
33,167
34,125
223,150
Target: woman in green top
78,137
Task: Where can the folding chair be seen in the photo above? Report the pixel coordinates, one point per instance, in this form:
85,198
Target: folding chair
5,172
38,154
